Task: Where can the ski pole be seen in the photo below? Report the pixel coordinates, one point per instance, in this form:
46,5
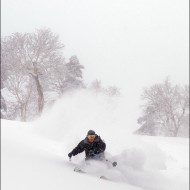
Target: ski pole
114,164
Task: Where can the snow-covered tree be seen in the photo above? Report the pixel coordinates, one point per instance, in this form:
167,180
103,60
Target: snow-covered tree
21,88
96,86
147,122
112,91
33,68
66,76
3,107
73,73
34,54
164,109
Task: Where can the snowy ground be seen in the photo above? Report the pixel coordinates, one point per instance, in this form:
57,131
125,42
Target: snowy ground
34,155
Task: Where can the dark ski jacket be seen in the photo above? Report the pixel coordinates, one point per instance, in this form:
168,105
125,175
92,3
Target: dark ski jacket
97,146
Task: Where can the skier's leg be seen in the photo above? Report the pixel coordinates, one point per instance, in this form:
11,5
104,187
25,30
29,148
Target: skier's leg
87,160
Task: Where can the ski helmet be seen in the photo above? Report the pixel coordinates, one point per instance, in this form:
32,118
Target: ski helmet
91,132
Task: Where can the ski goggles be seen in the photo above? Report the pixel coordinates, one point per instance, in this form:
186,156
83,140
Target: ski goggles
91,136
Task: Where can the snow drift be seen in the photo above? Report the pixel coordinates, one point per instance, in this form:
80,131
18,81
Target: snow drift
34,155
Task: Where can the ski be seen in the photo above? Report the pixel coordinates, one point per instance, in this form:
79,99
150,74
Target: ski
79,170
103,177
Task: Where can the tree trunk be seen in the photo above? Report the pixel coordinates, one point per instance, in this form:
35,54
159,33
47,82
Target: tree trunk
40,94
23,113
176,127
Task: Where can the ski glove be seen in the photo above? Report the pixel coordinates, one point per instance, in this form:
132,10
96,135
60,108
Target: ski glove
92,153
97,151
70,154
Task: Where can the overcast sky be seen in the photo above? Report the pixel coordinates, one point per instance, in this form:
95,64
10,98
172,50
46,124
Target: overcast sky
128,43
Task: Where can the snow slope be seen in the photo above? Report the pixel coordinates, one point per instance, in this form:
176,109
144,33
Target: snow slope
34,155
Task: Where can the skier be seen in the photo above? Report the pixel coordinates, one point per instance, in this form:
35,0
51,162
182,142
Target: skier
93,146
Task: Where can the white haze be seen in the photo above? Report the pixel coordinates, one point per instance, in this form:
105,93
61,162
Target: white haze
84,109
130,44
34,155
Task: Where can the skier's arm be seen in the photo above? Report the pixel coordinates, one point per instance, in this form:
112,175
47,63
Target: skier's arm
101,146
78,149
